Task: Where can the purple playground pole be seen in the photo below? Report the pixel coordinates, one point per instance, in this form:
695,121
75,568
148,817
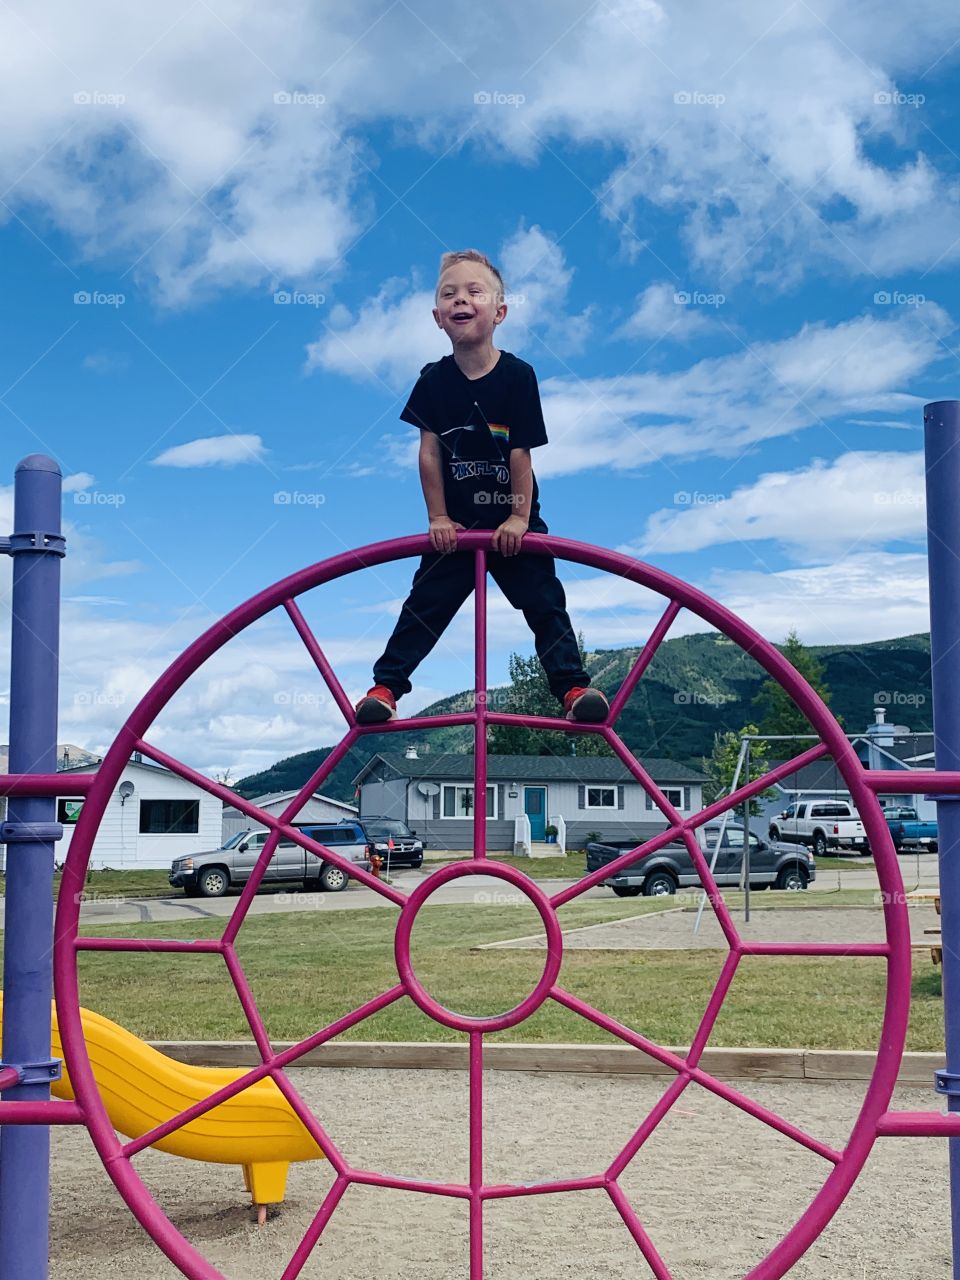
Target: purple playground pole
29,834
942,450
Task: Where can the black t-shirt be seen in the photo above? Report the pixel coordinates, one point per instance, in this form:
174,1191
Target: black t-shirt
478,422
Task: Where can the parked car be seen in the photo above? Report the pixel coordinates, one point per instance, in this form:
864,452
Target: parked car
911,832
212,873
821,825
407,846
781,866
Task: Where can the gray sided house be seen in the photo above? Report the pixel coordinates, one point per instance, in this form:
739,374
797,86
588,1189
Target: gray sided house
433,794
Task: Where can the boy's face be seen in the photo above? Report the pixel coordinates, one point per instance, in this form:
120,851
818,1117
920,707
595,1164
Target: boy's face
467,309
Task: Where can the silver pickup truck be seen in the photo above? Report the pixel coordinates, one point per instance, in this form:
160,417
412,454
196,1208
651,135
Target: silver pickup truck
211,874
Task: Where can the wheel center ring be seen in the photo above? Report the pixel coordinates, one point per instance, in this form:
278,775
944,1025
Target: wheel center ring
418,993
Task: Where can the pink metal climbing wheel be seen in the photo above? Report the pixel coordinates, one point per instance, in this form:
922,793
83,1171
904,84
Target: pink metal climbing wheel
841,1164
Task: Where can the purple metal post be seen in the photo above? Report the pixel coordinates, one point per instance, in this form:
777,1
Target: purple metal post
942,451
29,834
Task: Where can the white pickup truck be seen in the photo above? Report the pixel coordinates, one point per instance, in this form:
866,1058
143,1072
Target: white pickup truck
821,825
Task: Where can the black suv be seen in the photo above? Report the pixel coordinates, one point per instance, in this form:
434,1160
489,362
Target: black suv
407,848
772,865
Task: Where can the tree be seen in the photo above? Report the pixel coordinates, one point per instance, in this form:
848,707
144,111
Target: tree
720,766
780,713
529,694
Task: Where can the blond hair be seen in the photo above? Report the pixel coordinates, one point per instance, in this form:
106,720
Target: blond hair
470,255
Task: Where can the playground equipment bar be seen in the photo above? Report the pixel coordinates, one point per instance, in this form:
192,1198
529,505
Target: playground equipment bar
942,450
30,833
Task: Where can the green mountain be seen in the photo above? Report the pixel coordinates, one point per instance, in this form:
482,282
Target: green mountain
696,686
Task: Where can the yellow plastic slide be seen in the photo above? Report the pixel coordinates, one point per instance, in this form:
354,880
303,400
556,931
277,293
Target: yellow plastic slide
141,1088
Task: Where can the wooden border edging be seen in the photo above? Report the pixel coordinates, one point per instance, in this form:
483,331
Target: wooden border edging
587,1059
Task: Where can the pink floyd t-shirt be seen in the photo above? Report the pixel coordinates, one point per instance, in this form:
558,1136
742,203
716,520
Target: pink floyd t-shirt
478,421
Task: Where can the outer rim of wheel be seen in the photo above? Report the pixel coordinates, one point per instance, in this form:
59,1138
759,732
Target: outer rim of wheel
893,1034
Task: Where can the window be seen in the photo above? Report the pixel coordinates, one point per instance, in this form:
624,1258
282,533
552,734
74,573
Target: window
68,811
830,811
458,801
601,797
674,795
169,817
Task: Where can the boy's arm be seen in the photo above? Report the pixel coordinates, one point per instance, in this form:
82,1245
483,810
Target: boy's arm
443,530
507,538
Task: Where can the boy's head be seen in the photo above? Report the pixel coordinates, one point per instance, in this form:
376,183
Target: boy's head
469,298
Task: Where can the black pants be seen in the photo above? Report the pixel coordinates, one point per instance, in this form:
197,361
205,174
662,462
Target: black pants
444,581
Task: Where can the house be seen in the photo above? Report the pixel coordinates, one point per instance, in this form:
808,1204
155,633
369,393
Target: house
579,795
881,746
152,817
317,809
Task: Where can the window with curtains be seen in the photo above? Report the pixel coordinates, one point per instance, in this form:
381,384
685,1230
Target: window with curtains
458,801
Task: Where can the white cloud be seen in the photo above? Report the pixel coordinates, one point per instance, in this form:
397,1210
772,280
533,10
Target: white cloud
860,499
661,313
389,340
177,157
213,451
394,334
729,405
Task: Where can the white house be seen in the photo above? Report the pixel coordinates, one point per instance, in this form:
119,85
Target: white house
152,817
317,809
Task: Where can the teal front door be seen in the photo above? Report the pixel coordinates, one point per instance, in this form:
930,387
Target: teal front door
535,807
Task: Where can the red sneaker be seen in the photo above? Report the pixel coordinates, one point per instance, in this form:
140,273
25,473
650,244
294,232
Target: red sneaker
589,706
377,705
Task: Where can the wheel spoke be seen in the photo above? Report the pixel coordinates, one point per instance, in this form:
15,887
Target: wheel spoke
476,1155
637,1230
815,948
611,868
248,1003
643,661
320,658
277,1062
602,1020
750,789
720,993
659,1112
313,1233
480,706
217,789
208,945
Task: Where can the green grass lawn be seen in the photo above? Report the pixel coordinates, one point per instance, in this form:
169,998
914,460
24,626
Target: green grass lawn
309,968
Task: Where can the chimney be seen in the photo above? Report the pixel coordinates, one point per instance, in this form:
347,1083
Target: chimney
410,751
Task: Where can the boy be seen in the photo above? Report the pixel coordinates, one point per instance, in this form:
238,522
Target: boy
479,415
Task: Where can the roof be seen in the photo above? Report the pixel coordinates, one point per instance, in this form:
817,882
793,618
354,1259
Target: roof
531,768
275,797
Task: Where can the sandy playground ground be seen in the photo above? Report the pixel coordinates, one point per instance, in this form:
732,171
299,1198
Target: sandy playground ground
714,1187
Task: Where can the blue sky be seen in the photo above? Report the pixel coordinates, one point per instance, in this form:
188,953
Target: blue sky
730,242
